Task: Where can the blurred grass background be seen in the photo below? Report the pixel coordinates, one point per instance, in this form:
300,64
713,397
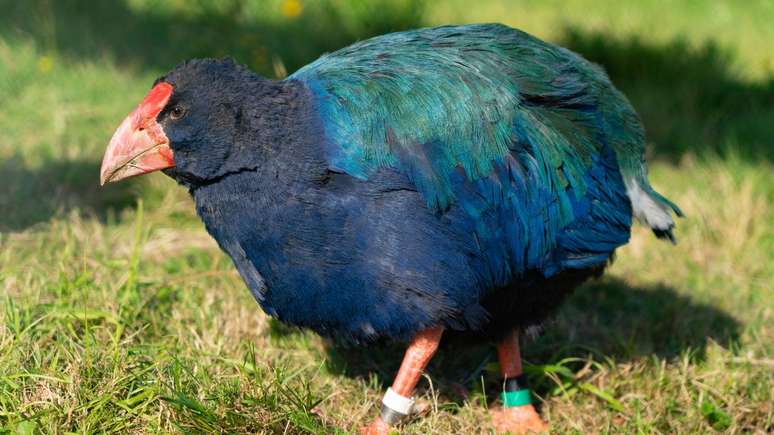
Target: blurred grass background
123,316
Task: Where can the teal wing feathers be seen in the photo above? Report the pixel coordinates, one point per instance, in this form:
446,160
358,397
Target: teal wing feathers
456,104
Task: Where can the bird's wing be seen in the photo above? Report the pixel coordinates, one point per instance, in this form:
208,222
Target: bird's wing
478,112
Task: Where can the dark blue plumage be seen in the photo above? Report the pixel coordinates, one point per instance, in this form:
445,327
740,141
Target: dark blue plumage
466,177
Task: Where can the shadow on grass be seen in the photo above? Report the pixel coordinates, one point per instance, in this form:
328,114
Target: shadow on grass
604,319
690,99
160,35
30,196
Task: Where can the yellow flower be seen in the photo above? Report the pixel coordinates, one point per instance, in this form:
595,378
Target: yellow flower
45,63
292,8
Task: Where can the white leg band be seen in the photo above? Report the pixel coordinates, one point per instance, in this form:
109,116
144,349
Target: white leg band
397,403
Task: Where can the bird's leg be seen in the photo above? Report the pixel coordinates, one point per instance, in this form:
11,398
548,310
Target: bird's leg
397,402
516,414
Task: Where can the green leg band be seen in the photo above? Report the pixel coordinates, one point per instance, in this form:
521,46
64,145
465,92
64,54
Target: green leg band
512,399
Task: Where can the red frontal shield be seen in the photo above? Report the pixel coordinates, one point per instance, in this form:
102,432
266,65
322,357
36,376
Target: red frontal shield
139,145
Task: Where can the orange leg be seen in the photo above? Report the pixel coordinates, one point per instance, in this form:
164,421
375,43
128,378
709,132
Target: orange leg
417,356
518,419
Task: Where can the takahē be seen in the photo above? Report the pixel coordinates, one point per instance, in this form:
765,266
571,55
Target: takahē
461,178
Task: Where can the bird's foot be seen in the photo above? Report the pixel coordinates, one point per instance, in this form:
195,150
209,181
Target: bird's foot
377,427
518,420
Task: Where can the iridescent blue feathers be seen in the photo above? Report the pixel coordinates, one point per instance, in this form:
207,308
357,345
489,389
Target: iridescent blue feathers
490,112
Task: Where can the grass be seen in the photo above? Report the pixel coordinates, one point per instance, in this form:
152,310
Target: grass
119,314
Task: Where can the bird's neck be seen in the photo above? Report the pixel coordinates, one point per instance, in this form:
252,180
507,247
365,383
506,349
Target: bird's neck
277,124
278,116
276,158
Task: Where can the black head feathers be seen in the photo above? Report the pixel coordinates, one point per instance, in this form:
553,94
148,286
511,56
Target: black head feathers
223,118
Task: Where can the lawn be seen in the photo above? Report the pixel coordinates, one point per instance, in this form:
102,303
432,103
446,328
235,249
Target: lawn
118,313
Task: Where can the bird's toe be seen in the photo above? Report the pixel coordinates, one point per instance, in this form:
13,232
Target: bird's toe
377,427
518,420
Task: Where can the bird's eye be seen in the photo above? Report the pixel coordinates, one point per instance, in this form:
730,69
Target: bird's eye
177,112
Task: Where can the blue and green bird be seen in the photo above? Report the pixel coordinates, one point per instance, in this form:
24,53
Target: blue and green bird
458,178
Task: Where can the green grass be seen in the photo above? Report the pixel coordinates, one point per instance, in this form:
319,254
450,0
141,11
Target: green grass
119,314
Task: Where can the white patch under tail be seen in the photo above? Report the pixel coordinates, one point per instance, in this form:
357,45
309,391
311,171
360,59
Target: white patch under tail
652,209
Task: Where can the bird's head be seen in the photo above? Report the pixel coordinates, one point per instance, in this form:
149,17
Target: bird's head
188,124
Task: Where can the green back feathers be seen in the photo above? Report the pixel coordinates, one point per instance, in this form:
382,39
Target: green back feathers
433,101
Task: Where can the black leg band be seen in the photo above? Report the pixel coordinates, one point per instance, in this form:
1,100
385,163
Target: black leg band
515,384
391,416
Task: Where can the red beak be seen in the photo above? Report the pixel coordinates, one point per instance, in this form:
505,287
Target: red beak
139,145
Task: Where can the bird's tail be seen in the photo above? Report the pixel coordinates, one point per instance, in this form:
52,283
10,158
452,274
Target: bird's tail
652,209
